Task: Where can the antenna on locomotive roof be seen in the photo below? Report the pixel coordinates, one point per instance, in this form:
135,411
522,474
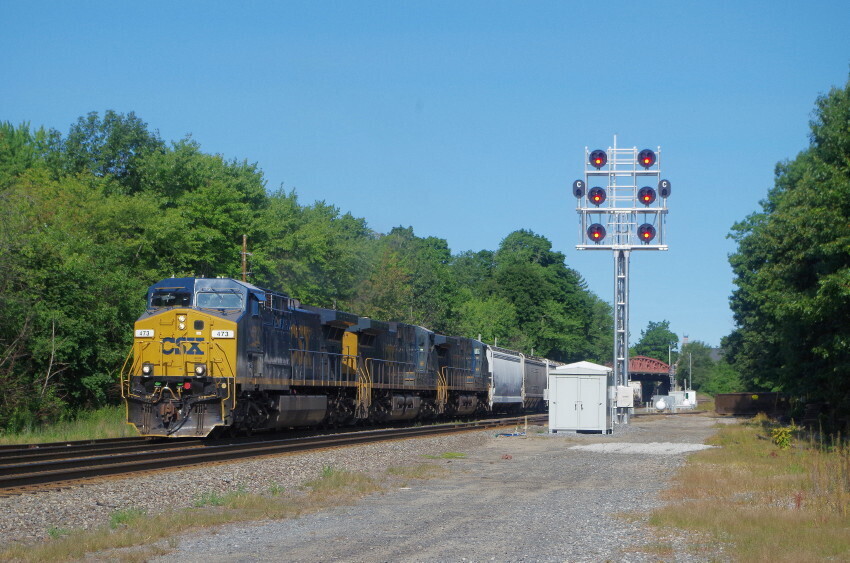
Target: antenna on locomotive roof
245,255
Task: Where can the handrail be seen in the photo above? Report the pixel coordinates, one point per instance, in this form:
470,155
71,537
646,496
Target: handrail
390,372
364,391
125,381
442,391
459,377
324,367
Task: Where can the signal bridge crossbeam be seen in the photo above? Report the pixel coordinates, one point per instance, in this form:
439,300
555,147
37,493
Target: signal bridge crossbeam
619,196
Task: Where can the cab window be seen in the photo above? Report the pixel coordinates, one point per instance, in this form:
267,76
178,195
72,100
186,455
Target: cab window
219,300
170,298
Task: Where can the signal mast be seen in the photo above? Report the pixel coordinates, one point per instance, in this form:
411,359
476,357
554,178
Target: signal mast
625,210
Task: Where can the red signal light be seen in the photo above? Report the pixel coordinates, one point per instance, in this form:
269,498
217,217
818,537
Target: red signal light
646,195
646,158
596,196
596,232
646,233
598,158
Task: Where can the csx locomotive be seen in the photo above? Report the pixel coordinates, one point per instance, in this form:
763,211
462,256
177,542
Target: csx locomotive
213,355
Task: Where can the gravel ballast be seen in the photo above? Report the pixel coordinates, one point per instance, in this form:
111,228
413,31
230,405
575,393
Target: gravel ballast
538,497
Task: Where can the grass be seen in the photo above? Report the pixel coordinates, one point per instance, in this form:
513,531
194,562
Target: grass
132,535
770,492
446,455
107,422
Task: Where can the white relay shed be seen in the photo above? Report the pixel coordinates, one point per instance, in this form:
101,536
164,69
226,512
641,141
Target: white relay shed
578,398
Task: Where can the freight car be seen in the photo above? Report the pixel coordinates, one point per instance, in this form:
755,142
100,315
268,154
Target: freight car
517,381
213,355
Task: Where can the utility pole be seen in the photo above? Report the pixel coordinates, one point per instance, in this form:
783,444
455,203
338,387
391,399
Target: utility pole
620,210
245,255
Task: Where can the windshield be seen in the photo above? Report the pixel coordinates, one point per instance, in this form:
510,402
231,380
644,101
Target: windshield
171,298
219,300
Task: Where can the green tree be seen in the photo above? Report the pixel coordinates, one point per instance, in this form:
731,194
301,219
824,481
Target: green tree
493,319
695,364
311,252
555,313
657,341
411,282
723,378
112,146
22,149
474,270
792,270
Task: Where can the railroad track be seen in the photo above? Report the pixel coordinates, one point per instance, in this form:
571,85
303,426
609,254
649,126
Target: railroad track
13,448
27,471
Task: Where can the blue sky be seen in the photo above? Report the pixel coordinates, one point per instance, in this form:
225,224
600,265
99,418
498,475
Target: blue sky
465,120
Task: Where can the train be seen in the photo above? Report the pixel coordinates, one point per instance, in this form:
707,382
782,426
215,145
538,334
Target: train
215,356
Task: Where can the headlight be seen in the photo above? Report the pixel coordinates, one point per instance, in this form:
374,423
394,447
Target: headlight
181,326
147,369
200,369
181,318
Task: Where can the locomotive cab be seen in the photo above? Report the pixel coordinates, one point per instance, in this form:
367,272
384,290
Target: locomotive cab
185,350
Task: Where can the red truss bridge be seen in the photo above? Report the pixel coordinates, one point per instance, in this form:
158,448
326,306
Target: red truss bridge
653,374
642,365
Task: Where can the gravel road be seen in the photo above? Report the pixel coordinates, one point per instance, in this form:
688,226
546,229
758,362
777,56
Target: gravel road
539,497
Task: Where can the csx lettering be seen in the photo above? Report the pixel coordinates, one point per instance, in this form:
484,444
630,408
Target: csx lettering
182,346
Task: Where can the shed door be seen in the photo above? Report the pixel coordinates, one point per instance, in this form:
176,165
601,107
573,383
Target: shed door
591,395
566,402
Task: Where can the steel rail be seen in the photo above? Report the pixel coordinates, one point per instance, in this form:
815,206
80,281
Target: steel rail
11,448
20,475
73,452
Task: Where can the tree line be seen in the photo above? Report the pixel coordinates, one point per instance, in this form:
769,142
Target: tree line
89,219
792,270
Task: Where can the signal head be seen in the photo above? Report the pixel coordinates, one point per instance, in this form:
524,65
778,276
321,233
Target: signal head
596,196
578,188
646,233
646,195
598,158
596,232
664,188
646,158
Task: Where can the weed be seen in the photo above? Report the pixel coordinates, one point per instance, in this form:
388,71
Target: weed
276,490
208,499
125,517
447,455
56,533
782,437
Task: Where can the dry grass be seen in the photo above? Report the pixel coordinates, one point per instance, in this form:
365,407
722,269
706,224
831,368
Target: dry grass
764,501
134,536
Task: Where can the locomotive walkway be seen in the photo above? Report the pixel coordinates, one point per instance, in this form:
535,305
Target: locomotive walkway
537,498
